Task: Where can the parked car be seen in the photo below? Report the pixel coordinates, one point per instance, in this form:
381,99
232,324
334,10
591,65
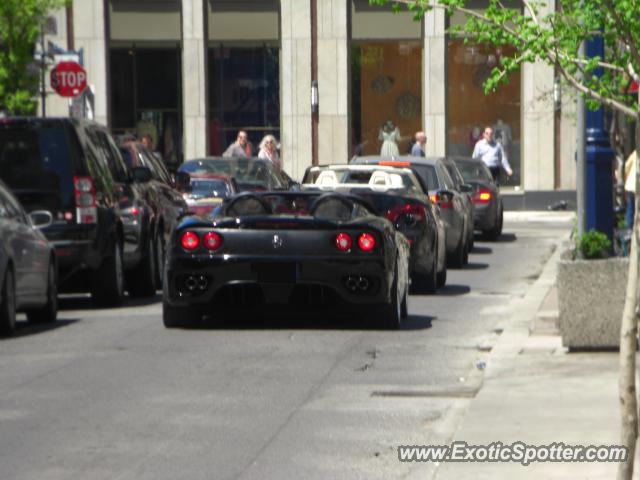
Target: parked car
251,174
28,272
205,191
396,194
466,191
436,180
148,215
73,169
278,249
488,210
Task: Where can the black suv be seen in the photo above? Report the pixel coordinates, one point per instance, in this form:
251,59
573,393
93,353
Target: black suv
148,217
73,169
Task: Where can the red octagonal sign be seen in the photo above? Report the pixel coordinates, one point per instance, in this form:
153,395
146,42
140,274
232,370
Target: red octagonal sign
69,79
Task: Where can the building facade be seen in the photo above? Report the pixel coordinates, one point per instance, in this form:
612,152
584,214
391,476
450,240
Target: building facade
191,73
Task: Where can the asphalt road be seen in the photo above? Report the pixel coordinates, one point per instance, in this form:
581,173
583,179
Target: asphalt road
111,394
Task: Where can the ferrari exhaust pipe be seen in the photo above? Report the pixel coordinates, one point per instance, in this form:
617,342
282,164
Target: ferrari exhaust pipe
351,283
202,282
191,282
363,283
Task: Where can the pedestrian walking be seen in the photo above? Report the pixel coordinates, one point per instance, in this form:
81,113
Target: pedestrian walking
630,188
418,148
239,148
269,151
492,154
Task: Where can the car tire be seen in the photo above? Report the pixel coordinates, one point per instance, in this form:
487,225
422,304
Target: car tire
142,281
442,277
8,304
426,282
179,317
107,289
465,257
456,259
160,253
49,312
391,313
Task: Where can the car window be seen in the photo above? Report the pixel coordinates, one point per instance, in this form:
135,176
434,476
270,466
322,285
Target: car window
37,163
12,208
445,177
155,165
474,171
428,175
114,159
97,162
454,174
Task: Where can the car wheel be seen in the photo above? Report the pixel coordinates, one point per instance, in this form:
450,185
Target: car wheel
179,317
426,282
465,257
108,280
49,312
391,314
404,306
160,256
141,282
456,259
500,222
8,304
442,277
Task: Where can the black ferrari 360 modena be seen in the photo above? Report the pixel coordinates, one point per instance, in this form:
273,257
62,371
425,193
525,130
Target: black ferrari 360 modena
287,250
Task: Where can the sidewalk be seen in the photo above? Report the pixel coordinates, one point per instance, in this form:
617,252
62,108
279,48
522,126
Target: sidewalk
536,392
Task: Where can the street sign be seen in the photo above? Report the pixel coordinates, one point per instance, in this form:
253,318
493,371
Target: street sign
69,79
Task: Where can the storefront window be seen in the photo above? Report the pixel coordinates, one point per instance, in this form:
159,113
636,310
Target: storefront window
470,110
244,71
386,80
145,73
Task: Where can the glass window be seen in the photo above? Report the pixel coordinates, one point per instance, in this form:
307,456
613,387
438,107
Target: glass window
244,71
386,99
470,110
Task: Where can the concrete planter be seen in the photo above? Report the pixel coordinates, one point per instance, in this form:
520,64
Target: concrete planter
590,300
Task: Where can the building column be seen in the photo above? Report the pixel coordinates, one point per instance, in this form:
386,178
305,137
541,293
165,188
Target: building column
89,25
434,87
295,87
333,81
537,146
194,77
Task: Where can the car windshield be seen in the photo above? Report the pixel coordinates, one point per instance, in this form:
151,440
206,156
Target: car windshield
328,177
428,175
209,187
36,164
473,171
249,172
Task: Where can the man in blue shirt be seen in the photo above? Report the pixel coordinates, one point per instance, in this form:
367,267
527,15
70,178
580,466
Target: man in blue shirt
492,154
418,148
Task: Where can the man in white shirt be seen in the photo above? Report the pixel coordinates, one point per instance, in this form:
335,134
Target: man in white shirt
492,154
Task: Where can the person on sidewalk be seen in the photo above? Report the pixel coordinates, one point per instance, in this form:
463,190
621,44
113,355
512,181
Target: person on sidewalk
239,148
630,188
418,148
269,150
492,154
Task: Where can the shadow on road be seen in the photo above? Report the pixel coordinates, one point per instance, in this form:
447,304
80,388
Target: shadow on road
475,266
417,322
84,302
453,290
24,329
481,250
506,238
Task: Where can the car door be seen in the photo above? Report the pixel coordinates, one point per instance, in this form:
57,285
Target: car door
28,250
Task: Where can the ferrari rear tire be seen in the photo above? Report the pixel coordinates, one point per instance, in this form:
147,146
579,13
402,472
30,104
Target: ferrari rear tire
391,314
8,304
180,317
442,277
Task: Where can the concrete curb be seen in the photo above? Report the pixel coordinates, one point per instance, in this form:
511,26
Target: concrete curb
517,329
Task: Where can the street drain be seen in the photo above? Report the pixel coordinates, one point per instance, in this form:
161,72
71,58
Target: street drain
457,393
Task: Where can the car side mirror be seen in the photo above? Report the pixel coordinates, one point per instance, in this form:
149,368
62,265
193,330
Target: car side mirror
466,188
141,174
40,219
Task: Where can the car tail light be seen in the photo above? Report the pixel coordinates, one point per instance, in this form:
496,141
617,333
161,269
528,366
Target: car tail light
442,200
85,196
393,163
408,214
366,242
343,242
482,195
190,241
212,241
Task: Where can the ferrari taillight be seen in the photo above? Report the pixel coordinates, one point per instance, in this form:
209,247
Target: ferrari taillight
212,241
366,242
190,241
343,242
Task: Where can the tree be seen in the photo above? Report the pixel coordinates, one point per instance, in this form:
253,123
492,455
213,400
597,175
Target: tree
20,25
554,36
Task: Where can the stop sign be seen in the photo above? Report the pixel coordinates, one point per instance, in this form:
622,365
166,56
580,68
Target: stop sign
69,79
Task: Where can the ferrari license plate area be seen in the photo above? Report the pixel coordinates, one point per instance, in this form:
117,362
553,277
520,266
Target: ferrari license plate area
276,272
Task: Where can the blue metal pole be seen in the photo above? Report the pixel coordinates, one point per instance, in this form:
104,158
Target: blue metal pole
599,162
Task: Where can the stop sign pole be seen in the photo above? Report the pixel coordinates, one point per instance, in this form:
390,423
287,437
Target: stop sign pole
68,79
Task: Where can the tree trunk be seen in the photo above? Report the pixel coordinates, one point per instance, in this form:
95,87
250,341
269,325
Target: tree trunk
628,342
